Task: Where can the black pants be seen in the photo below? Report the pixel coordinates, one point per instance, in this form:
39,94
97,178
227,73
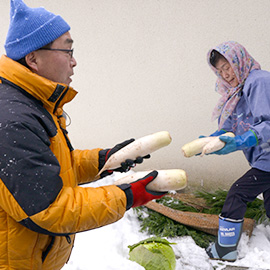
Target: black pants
246,189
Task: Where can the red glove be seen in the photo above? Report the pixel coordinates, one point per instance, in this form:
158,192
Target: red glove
137,193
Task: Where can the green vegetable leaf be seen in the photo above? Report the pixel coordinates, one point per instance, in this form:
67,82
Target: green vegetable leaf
153,253
154,239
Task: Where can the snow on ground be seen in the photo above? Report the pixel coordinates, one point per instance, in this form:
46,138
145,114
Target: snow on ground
106,248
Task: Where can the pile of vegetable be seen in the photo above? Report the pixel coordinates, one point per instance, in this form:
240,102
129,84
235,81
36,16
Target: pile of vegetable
157,224
166,180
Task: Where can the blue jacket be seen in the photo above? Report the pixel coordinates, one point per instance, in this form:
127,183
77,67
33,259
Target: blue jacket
253,112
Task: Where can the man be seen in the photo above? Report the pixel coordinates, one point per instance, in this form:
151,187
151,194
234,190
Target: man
41,205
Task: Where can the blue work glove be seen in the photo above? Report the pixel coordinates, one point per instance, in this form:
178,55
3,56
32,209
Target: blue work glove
216,133
239,142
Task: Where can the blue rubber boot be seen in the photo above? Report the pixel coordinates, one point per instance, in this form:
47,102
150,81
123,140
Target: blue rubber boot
225,247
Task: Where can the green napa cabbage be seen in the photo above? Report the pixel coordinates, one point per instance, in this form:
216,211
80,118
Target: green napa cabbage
153,253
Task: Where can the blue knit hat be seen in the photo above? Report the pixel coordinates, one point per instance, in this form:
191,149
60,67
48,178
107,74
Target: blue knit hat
31,29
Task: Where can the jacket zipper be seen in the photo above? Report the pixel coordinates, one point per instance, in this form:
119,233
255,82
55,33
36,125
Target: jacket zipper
46,252
48,249
60,99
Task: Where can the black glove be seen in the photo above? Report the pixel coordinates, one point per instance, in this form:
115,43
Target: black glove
125,166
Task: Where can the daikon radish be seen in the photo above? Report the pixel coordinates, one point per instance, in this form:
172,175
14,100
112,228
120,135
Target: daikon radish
166,180
215,144
139,148
195,147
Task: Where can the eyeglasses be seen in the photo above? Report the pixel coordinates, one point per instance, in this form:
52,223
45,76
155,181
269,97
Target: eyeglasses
70,52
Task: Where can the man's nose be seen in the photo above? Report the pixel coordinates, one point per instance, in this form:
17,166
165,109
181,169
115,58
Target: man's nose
73,62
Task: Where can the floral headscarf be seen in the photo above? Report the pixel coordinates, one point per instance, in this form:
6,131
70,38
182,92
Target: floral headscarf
242,64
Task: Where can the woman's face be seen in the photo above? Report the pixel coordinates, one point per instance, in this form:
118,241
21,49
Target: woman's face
226,72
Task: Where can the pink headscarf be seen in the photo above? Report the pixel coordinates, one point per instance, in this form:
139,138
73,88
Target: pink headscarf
242,64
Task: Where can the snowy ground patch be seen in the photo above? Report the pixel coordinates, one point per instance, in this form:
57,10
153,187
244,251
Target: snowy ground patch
106,248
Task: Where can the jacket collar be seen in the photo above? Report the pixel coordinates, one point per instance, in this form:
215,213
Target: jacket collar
53,95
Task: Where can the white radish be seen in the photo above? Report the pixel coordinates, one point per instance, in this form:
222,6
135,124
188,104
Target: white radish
215,144
166,180
139,148
195,147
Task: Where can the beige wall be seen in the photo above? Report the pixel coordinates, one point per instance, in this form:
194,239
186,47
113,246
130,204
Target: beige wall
142,69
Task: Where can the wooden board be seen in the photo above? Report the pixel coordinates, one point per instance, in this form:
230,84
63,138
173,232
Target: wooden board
204,222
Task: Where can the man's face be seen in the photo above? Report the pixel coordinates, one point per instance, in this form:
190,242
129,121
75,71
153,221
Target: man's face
56,65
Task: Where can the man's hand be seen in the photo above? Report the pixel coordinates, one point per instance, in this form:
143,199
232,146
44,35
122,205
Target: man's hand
137,193
126,165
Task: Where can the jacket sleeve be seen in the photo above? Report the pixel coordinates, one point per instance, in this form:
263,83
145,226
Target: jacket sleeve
32,191
85,165
258,98
80,209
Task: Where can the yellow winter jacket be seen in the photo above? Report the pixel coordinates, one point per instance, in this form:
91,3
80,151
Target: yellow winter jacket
42,205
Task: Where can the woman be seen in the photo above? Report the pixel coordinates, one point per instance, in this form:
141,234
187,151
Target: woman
243,109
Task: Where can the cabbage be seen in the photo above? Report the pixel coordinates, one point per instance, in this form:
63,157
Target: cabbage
153,253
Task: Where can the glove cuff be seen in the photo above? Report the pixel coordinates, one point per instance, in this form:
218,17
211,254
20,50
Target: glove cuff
129,195
247,140
102,158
